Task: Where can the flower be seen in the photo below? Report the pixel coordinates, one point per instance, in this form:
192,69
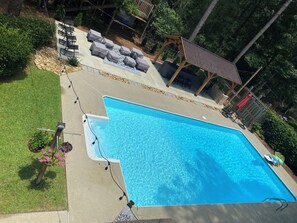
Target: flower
52,156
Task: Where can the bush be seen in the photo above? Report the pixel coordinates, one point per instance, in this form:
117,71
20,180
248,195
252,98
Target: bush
73,61
39,30
165,55
60,13
282,137
15,49
78,19
257,128
38,141
292,122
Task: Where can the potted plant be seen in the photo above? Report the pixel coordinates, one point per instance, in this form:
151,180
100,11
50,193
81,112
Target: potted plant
38,141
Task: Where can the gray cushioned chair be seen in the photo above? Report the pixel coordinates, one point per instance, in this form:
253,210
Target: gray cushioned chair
99,49
129,62
141,64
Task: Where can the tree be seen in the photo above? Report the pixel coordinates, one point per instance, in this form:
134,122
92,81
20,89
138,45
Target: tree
14,7
246,48
166,21
203,19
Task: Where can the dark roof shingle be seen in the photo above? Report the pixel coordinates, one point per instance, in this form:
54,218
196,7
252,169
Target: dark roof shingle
200,57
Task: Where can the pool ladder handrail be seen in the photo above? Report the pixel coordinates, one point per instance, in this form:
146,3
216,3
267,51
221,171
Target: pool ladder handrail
283,202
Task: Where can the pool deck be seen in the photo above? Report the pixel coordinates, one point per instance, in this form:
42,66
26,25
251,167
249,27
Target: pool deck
92,195
152,78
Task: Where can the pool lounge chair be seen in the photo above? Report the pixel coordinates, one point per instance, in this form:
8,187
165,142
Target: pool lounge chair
276,161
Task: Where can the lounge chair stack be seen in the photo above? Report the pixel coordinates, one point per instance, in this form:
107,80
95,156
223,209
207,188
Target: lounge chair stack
122,55
66,31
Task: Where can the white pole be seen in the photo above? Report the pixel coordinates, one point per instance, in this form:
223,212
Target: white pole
243,86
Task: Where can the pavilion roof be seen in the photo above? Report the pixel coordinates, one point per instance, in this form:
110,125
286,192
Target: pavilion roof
202,58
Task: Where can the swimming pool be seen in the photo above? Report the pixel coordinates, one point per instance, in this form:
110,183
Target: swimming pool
167,159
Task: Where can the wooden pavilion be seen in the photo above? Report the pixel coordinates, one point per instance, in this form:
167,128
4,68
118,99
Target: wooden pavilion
192,54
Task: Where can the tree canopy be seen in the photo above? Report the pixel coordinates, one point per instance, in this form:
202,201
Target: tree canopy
231,25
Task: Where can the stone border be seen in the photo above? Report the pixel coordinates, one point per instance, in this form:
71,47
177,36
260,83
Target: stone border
149,88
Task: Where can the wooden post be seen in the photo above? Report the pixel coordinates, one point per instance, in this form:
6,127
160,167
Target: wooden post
59,130
111,21
233,85
206,80
181,66
161,50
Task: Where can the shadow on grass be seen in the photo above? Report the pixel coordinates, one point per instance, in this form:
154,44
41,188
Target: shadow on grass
19,76
29,173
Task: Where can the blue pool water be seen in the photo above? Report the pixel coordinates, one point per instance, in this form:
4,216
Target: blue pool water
168,159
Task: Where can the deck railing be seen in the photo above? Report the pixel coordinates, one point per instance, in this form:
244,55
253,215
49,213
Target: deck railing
145,8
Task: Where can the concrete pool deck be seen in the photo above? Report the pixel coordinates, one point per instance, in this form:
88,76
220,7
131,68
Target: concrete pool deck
92,195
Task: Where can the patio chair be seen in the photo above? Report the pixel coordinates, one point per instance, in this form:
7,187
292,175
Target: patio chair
62,33
93,35
99,49
136,53
68,22
63,42
142,65
108,43
69,29
66,52
113,57
129,61
125,51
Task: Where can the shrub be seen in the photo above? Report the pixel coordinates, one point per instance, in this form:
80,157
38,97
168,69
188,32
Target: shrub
15,49
38,141
154,48
176,60
165,55
60,13
78,19
73,61
144,41
282,137
292,122
258,130
39,30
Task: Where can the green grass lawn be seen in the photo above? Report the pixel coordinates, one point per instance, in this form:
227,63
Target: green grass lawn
28,101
